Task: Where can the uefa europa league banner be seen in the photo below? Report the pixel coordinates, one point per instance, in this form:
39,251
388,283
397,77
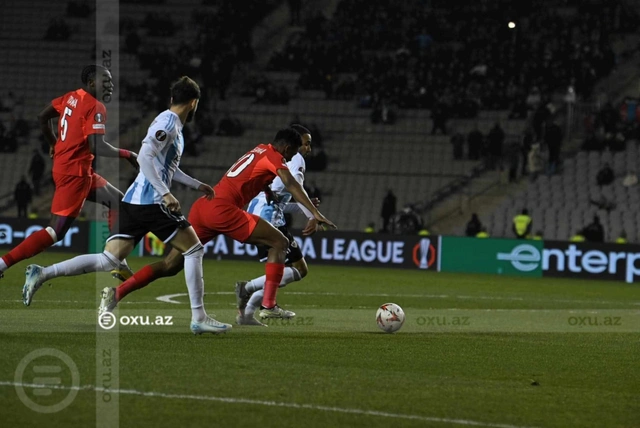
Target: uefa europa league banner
15,230
338,248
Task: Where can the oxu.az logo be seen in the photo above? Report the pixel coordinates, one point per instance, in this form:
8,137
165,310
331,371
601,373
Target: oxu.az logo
524,257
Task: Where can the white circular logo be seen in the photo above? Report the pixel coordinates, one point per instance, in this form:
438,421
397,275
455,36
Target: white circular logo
107,320
46,379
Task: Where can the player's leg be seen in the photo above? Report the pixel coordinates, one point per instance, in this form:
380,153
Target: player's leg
171,265
253,291
68,200
117,248
265,234
115,251
103,193
173,228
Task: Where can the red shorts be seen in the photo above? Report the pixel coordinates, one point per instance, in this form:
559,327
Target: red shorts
217,216
71,192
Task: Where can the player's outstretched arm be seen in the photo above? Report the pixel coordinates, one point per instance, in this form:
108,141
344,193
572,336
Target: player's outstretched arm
191,182
300,195
101,148
44,118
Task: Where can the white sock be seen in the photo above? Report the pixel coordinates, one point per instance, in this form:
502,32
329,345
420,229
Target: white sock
3,265
290,274
124,265
194,276
103,262
254,303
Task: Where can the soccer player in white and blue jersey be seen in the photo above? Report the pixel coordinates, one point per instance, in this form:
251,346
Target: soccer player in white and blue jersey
149,206
272,207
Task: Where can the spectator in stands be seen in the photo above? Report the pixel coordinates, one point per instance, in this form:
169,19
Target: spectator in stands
538,236
407,222
474,226
528,138
496,144
388,210
36,171
605,175
594,232
534,162
553,136
371,228
440,115
474,142
457,140
22,196
609,118
522,224
622,238
513,161
540,117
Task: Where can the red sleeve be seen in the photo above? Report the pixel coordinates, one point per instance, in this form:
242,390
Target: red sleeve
276,161
95,119
58,104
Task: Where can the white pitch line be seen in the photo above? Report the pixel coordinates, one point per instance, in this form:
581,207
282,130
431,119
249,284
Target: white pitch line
82,301
232,400
170,298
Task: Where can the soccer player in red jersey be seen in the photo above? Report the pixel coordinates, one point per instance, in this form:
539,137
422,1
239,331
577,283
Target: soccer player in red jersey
224,214
81,123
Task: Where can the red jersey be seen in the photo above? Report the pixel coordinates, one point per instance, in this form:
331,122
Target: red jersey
248,176
80,116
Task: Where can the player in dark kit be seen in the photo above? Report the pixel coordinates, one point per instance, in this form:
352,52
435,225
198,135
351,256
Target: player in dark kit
81,122
224,214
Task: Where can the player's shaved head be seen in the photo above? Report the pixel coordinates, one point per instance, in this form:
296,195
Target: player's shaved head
184,90
89,72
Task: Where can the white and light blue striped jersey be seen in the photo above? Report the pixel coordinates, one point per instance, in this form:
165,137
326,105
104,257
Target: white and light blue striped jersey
274,213
165,134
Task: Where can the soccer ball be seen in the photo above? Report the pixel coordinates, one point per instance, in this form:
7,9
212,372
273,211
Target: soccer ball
390,317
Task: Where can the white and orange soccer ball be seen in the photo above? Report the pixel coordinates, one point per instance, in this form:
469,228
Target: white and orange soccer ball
390,317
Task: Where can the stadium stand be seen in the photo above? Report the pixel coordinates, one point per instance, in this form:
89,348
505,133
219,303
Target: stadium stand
331,73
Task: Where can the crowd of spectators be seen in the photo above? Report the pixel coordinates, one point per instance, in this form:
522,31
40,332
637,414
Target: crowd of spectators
218,47
417,53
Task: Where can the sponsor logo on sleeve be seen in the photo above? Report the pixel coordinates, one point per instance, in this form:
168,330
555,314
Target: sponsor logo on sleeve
161,135
98,126
99,117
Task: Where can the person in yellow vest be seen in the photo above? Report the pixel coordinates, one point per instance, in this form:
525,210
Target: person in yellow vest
622,239
423,232
522,225
537,236
370,228
33,215
483,233
578,237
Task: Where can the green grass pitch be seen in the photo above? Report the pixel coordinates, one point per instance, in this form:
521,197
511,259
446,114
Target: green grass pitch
475,350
